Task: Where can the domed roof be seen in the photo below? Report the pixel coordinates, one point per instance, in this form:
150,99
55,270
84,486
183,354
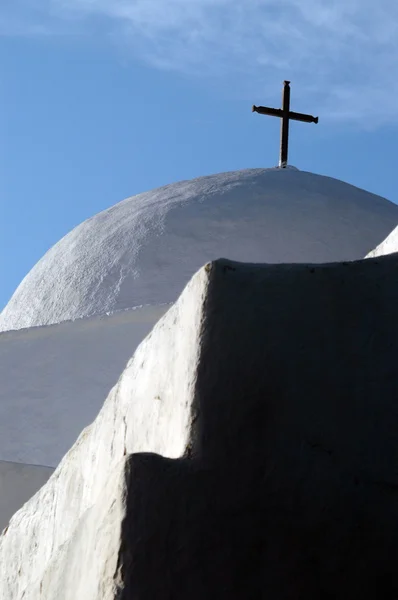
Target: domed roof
144,249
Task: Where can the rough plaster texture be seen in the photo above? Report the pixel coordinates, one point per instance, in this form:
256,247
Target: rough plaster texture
148,409
271,394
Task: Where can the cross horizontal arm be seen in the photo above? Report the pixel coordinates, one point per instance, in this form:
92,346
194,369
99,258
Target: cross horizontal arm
278,112
301,117
264,110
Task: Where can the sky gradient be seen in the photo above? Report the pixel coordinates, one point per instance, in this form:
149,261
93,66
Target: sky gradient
104,99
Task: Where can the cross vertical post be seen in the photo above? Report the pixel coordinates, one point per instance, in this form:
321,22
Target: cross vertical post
285,114
285,125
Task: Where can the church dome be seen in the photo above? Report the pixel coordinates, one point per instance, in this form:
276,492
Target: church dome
144,249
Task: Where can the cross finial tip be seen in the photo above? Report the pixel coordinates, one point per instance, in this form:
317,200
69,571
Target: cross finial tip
286,82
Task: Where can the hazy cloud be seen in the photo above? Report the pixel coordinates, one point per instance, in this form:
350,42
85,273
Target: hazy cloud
342,53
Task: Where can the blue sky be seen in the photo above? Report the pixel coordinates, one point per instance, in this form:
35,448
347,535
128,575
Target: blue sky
102,99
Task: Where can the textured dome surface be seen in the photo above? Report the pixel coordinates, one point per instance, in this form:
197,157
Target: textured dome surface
144,249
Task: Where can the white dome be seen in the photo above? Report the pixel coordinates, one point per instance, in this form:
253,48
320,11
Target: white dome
145,249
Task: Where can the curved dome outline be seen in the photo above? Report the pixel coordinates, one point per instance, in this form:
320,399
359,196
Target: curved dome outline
143,250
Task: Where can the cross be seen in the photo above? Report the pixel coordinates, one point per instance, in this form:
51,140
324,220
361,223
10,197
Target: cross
285,114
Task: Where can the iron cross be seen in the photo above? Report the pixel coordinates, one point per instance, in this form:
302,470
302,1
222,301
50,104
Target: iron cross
285,114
